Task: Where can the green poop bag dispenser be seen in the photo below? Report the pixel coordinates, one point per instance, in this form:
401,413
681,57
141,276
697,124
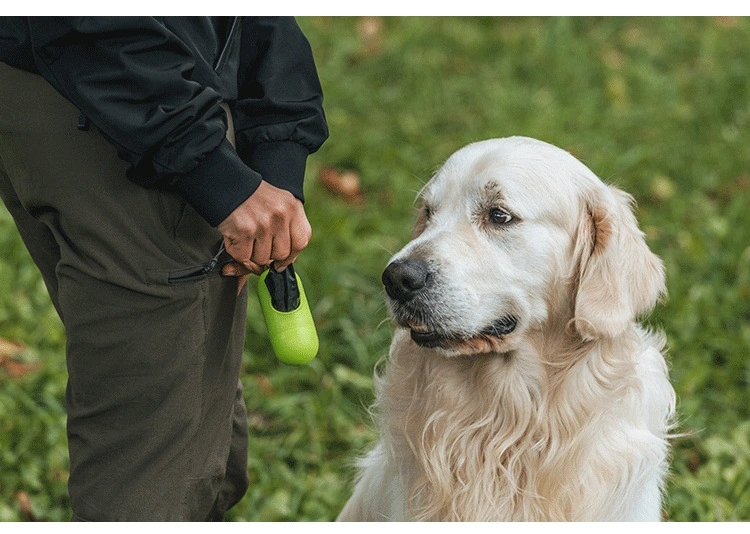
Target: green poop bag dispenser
287,314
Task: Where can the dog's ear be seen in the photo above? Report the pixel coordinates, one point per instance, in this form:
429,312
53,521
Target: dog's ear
618,276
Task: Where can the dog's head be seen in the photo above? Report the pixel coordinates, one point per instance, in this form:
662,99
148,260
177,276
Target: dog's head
511,232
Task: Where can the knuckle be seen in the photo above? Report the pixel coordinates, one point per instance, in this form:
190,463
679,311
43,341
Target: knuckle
279,215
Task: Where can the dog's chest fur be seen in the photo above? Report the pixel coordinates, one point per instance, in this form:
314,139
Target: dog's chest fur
508,438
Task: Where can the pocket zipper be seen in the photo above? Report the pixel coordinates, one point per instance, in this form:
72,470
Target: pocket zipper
199,273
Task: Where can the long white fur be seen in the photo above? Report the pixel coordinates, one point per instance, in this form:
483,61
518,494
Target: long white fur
567,417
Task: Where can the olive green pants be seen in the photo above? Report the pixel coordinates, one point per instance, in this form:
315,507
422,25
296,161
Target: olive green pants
157,427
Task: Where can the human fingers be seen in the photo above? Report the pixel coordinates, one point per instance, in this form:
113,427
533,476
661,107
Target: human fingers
262,248
240,249
236,269
282,248
300,233
269,226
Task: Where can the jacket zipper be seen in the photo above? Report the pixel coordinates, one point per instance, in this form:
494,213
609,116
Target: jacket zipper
227,45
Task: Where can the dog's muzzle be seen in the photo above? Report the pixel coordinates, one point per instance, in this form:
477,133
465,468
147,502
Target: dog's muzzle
409,284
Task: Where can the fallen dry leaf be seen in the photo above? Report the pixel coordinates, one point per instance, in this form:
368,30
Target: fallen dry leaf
264,384
345,184
24,503
370,30
9,348
16,369
727,22
13,367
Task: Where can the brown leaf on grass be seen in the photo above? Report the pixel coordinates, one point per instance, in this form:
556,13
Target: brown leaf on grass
345,184
9,348
24,503
264,385
727,22
13,367
370,31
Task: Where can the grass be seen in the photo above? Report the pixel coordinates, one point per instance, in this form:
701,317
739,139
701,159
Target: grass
661,107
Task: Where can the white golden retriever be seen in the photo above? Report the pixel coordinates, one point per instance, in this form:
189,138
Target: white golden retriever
519,385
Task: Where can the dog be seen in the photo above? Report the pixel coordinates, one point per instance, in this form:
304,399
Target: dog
519,385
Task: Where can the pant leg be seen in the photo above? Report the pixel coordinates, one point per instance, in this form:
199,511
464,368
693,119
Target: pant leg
38,239
153,366
234,485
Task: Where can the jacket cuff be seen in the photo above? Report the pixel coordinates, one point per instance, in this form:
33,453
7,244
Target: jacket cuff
219,184
281,164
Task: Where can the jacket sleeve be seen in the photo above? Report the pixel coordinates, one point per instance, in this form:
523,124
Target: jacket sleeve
132,77
278,117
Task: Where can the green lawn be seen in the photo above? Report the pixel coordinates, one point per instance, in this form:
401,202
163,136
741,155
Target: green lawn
661,107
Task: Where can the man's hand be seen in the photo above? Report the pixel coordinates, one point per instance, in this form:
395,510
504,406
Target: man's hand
270,226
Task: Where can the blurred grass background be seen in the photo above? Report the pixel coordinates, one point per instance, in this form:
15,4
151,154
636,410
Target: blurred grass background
658,106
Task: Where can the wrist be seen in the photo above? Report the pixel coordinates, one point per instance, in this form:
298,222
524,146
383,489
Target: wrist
218,185
281,164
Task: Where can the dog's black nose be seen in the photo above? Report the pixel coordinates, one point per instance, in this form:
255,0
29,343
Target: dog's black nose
403,279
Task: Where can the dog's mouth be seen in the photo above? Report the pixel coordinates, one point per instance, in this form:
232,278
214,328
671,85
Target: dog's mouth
485,341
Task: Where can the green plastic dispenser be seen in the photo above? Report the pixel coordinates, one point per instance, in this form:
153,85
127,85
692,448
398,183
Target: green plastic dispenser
287,314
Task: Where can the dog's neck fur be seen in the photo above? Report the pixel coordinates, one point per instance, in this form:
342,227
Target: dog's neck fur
522,436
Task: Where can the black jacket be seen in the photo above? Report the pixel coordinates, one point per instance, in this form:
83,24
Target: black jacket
153,86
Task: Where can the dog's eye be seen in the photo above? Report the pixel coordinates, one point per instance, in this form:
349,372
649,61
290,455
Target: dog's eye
499,216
